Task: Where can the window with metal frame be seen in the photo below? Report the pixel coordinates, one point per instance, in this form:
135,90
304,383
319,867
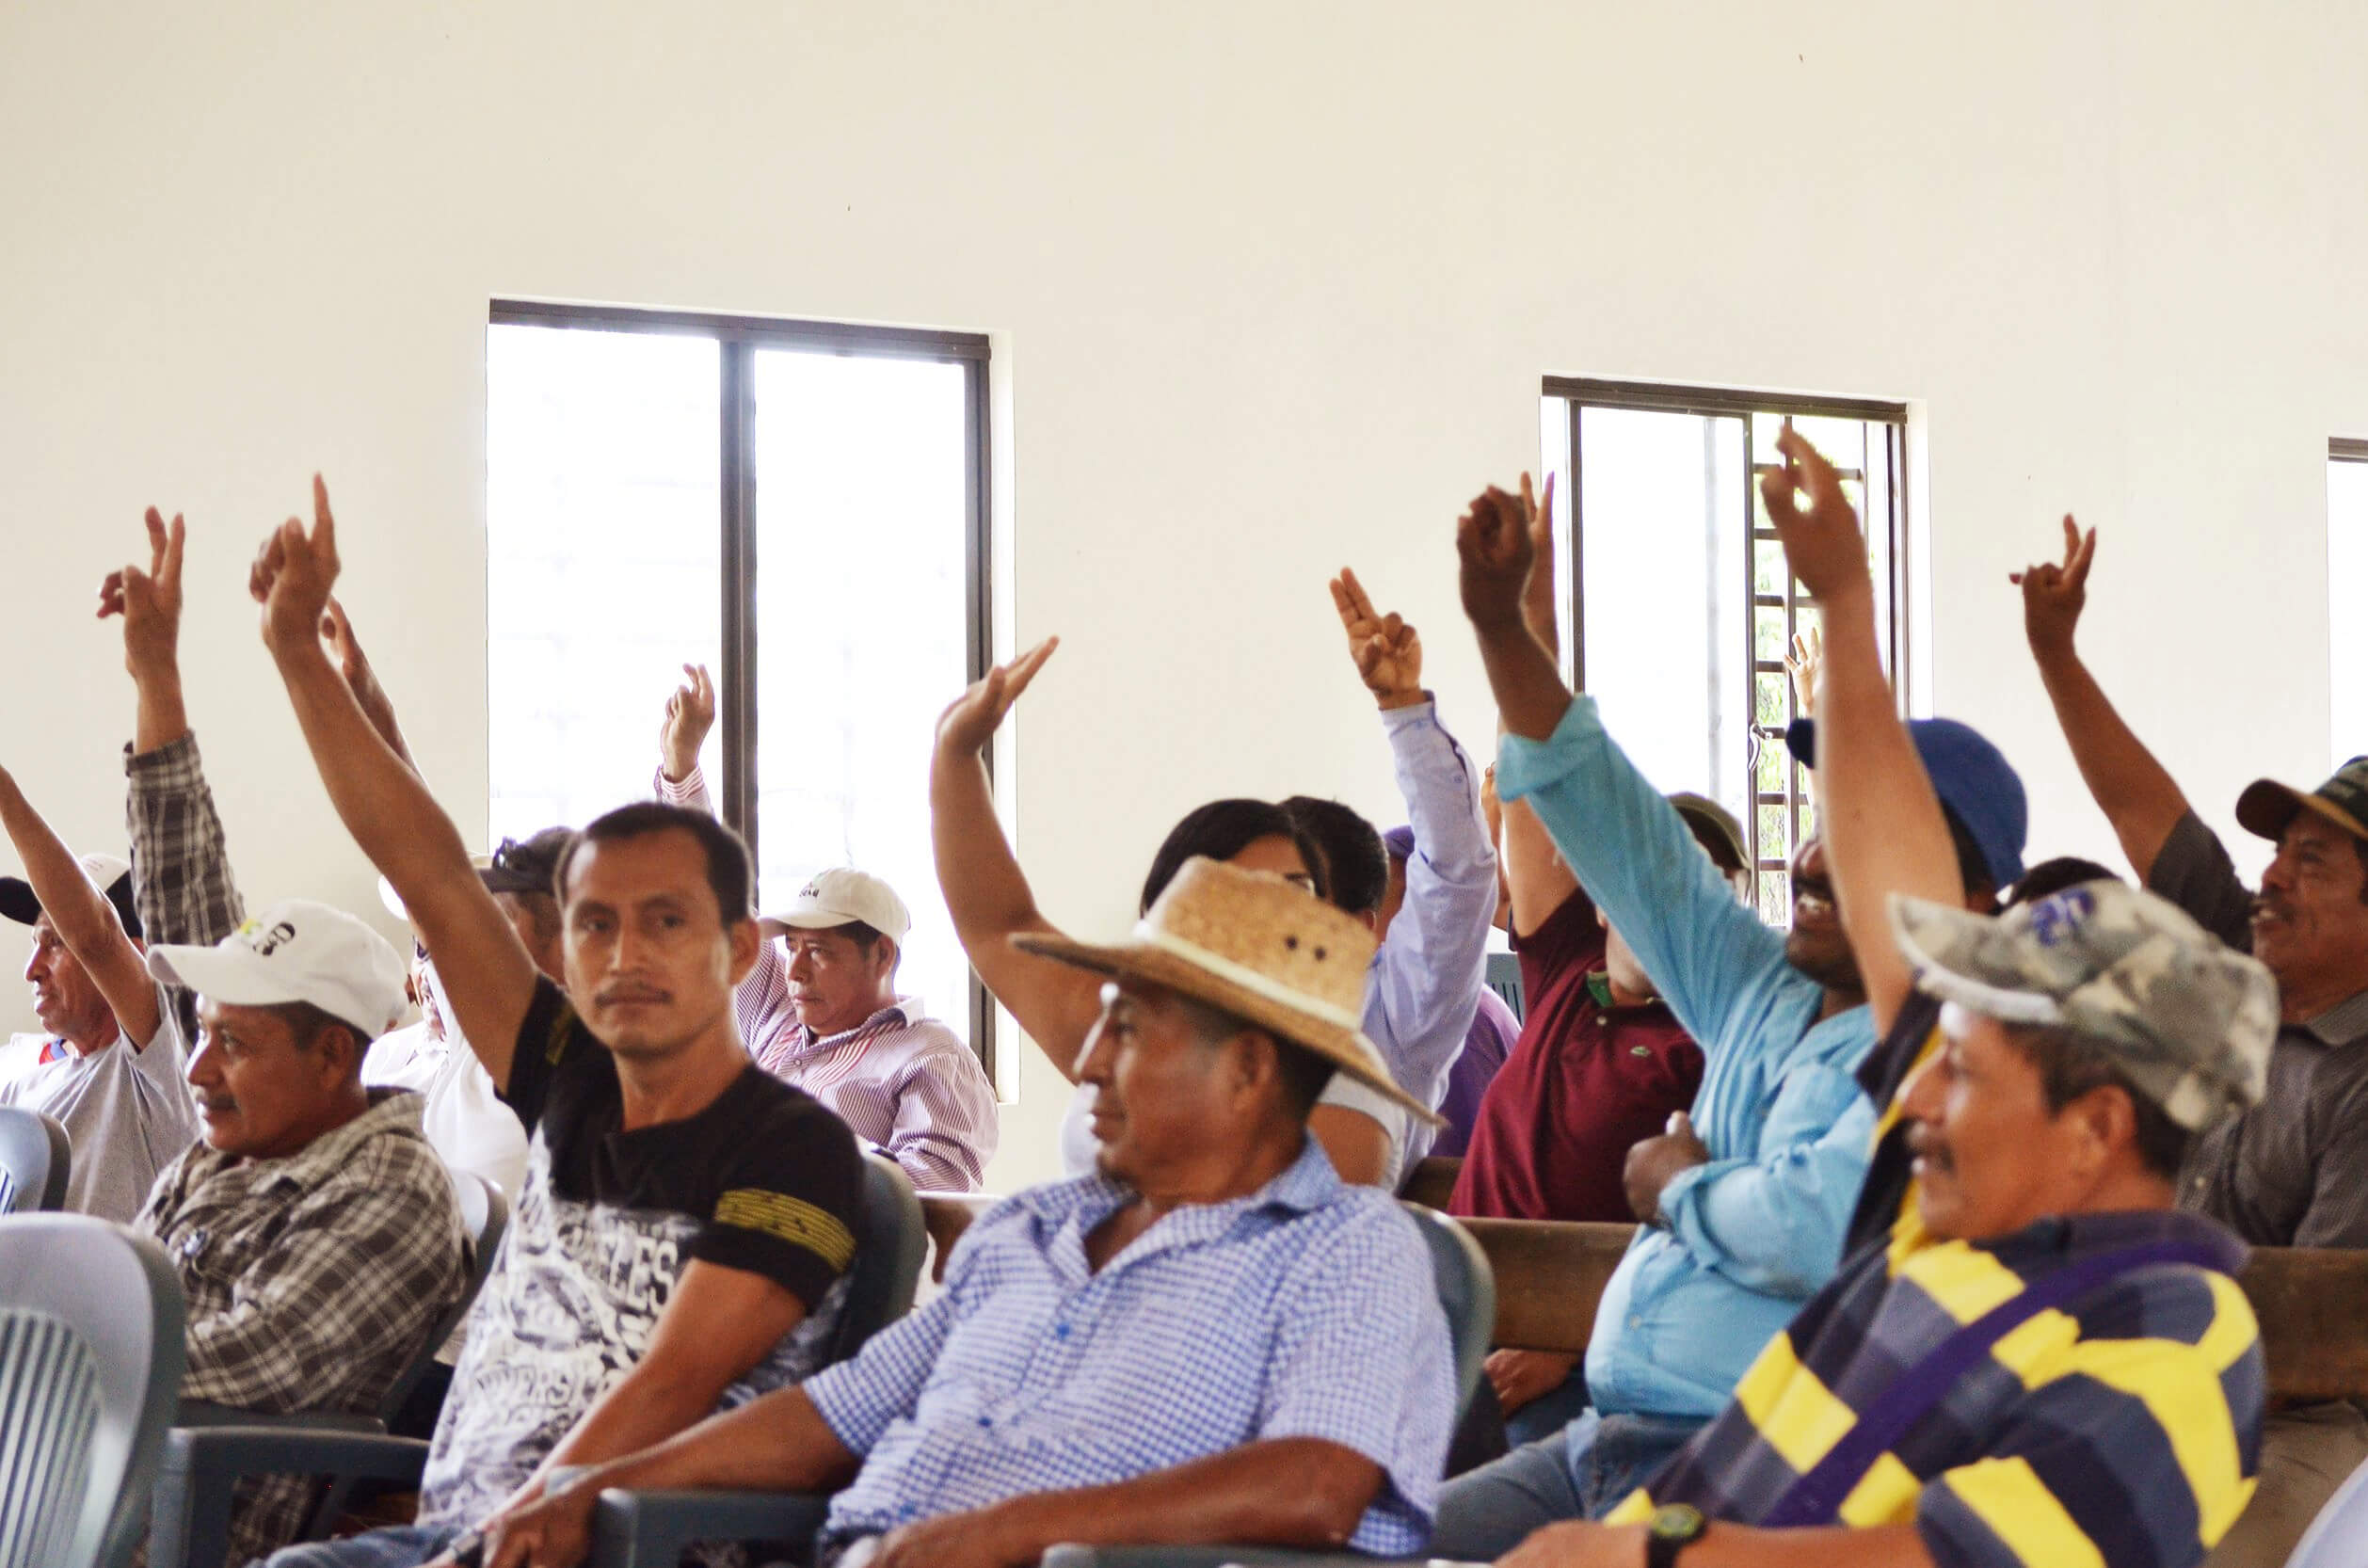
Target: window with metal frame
2347,569
801,506
1676,607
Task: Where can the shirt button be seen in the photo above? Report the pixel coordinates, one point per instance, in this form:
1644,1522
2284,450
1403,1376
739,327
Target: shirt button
1640,1050
1060,1330
986,1422
1636,1322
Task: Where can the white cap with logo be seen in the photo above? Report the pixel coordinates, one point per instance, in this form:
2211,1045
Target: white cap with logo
844,895
295,951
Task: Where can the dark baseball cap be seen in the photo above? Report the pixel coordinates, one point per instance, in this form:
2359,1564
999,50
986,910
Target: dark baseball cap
2267,807
1974,780
110,873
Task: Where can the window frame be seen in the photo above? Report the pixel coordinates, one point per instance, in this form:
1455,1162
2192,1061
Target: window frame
1581,392
738,340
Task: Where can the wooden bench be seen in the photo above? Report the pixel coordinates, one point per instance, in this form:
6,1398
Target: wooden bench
1551,1274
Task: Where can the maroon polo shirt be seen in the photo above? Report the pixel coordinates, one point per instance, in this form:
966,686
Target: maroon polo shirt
1584,1084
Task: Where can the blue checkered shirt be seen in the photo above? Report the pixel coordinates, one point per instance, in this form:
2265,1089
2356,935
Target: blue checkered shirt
1307,1309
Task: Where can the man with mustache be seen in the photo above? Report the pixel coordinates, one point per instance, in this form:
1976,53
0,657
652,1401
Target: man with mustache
2293,1171
1743,1218
683,1238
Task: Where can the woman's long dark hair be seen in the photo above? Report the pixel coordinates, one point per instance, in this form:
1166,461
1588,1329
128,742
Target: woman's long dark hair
1223,829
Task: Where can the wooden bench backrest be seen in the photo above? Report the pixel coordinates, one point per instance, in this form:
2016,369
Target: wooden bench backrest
1550,1275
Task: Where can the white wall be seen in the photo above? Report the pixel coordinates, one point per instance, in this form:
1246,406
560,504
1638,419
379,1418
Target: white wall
1272,285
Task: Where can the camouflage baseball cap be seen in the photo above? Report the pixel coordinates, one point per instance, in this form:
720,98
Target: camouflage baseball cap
2187,1019
2267,807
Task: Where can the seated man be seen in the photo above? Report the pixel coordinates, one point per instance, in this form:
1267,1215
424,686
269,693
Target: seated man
821,1008
1212,1340
1744,1206
2058,1365
314,1230
687,1220
108,1064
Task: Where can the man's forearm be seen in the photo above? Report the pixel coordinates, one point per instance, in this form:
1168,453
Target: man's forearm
639,1412
985,891
1285,1492
80,915
2134,790
1530,697
778,1443
160,717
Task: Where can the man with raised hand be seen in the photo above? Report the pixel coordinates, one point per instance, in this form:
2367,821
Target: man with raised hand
687,1222
1212,1339
2293,1171
821,1008
1745,1206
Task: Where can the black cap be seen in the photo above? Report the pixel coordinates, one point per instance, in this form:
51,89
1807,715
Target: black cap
19,903
528,865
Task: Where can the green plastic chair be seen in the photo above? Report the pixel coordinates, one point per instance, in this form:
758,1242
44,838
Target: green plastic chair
34,1160
91,1364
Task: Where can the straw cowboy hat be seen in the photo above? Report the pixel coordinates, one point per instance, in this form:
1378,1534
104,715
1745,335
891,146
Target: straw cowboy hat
1251,944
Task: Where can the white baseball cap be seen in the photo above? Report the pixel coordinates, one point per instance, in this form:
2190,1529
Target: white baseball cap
844,894
295,951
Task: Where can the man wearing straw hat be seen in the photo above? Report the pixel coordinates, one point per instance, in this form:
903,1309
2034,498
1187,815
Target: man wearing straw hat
1212,1339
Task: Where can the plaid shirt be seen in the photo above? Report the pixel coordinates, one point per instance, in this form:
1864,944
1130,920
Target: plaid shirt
1304,1309
181,867
311,1280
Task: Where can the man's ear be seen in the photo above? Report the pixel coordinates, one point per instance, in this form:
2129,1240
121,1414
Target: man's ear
2108,1122
341,1052
747,941
895,954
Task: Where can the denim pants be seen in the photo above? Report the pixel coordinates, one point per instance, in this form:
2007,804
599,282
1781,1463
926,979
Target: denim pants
400,1546
1550,1412
1581,1472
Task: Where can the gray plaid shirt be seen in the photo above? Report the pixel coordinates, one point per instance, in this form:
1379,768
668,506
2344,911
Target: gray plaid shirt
312,1281
2293,1171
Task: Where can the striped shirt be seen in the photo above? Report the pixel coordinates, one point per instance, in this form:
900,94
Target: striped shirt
2122,1431
903,1082
1304,1309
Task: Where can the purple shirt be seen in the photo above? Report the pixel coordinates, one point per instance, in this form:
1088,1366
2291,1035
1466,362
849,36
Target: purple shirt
1493,1030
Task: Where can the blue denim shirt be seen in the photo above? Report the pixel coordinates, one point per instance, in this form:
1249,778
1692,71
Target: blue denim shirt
1753,1233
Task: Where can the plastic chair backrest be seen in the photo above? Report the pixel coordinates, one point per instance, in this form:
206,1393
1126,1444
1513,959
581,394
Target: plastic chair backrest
91,1364
486,1215
888,1251
1468,1293
1504,978
2338,1538
34,1160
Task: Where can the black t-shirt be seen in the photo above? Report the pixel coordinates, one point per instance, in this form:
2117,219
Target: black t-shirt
773,1177
1888,1178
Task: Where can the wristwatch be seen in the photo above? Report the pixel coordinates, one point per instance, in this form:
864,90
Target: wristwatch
1674,1529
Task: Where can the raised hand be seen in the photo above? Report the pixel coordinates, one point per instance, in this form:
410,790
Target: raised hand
1537,603
148,601
1387,652
2055,593
689,714
295,571
1809,512
1802,663
360,679
1496,551
971,719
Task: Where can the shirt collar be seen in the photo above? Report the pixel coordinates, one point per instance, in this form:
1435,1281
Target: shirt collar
395,1110
2079,1235
1306,1184
903,1010
2343,1023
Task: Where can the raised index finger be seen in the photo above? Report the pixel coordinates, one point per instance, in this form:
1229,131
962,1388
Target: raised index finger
1357,599
323,525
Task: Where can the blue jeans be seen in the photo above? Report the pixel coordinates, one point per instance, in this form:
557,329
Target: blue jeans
399,1546
1550,1412
1581,1472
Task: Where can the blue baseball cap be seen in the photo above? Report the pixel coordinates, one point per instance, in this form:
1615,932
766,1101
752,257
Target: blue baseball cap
1974,780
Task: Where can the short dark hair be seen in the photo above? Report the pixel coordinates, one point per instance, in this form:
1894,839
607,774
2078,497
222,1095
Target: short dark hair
1352,852
864,937
1304,1075
2070,1066
307,1023
727,870
2050,878
1223,829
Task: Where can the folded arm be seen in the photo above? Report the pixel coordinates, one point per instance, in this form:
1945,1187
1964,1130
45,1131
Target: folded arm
1774,1221
86,922
946,1122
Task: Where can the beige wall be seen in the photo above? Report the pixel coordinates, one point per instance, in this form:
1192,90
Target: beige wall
1271,286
